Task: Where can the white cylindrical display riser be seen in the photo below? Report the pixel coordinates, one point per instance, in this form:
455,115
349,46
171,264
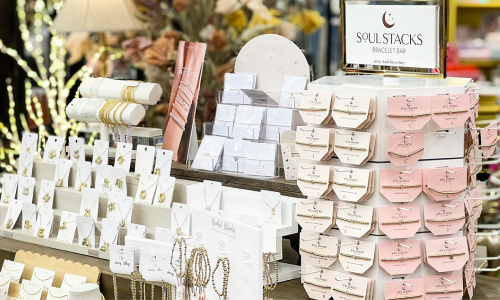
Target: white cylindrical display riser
146,92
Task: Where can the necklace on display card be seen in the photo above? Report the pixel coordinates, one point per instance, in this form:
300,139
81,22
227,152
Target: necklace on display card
180,219
53,148
163,162
29,144
270,208
9,189
46,194
100,153
144,159
86,231
165,191
15,208
146,189
123,156
89,205
43,225
25,168
67,227
25,189
29,216
83,175
61,174
77,149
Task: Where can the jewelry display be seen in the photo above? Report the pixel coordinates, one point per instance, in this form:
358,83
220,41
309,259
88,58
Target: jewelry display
180,266
102,181
198,272
160,154
161,191
46,193
121,157
405,155
27,218
224,263
76,152
98,155
24,167
28,142
87,210
144,160
104,242
25,189
399,222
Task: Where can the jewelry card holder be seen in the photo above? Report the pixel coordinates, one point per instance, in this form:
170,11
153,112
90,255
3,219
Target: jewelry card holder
46,194
142,92
120,208
9,188
163,163
234,157
180,219
29,144
270,208
165,191
103,179
29,216
260,159
109,233
224,120
89,205
67,227
209,200
144,160
136,231
118,181
61,175
147,187
25,189
122,259
291,91
43,277
15,208
57,293
53,148
25,168
123,156
100,153
86,231
13,269
76,149
4,285
278,121
83,175
208,155
43,225
31,290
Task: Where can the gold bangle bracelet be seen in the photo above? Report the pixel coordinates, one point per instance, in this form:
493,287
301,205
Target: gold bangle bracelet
355,256
350,148
401,258
353,221
445,220
446,192
313,216
445,291
400,222
405,297
347,292
317,254
312,181
408,115
406,155
349,112
349,184
403,186
451,112
317,284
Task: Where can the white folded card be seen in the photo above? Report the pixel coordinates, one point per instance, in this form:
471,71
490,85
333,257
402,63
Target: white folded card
291,92
233,83
122,259
279,120
234,156
224,120
67,227
208,155
248,122
260,159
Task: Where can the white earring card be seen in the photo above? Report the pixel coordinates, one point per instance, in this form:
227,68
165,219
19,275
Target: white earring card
101,152
76,149
29,143
53,148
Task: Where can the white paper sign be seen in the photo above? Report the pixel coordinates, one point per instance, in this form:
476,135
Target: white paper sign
390,35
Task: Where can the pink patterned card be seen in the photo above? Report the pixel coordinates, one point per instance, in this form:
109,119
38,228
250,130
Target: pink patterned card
399,221
405,149
405,289
409,113
450,111
400,185
447,255
443,287
446,183
444,218
489,139
400,258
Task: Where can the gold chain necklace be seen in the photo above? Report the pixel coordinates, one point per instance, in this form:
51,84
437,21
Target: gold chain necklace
121,158
98,160
60,180
178,229
7,197
162,197
76,153
86,240
106,179
122,219
119,181
51,276
83,183
273,209
47,196
105,245
158,169
27,222
144,192
41,230
52,152
10,222
26,189
28,148
31,294
88,211
25,168
209,207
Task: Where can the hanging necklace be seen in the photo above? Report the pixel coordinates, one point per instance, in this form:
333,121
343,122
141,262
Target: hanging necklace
106,180
26,189
10,222
31,294
84,182
162,197
7,197
59,181
209,207
25,168
144,192
41,230
64,224
178,229
88,212
138,175
122,219
121,158
105,245
76,153
31,145
65,295
47,196
27,222
119,181
41,278
52,152
86,240
98,160
158,170
273,209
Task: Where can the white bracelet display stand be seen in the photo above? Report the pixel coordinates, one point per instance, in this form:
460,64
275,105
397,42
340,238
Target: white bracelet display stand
441,149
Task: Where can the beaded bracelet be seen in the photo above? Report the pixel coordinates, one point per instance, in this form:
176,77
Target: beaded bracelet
447,192
450,112
444,291
401,222
318,254
312,181
313,216
311,144
401,258
355,256
405,297
350,148
347,292
403,186
408,115
353,221
406,155
317,284
349,112
445,220
349,184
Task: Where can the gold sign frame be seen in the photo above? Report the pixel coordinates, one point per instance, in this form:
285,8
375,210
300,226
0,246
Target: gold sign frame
394,70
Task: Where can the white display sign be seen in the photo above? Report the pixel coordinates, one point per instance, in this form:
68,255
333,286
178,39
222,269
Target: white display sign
392,35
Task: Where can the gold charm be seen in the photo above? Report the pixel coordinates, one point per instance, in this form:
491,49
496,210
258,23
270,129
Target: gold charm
208,208
138,176
82,185
273,211
26,191
122,223
98,160
111,206
106,183
63,226
46,198
105,247
52,154
28,150
86,242
162,198
120,160
143,194
59,183
7,198
119,183
87,212
27,224
157,171
178,231
76,154
10,223
25,171
40,232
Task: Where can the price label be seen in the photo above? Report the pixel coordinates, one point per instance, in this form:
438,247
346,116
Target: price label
93,253
7,235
